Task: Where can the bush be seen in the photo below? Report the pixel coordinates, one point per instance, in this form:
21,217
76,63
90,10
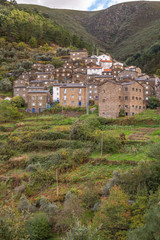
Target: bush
153,102
90,196
5,84
18,102
38,227
151,228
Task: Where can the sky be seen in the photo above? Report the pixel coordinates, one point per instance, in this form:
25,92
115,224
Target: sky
91,5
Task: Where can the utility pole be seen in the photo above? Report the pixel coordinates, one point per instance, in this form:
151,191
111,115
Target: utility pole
102,144
57,182
87,100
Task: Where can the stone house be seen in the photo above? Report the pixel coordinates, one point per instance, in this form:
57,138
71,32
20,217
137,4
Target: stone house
73,95
63,73
78,54
89,60
38,100
95,70
114,96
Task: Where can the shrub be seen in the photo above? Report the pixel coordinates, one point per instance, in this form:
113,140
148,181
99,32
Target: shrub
18,101
151,228
114,215
90,196
5,84
38,227
153,102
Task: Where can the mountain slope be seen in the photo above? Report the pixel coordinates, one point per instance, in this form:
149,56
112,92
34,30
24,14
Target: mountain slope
122,30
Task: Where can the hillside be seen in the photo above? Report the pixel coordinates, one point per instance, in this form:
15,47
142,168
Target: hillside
54,171
123,30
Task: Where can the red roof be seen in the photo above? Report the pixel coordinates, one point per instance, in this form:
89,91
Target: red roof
106,61
107,70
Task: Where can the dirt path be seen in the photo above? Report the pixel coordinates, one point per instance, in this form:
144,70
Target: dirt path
142,134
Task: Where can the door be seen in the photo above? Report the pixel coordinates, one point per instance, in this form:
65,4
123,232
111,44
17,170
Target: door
39,110
48,106
80,103
33,110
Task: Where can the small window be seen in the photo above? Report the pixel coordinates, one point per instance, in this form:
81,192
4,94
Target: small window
139,90
140,98
104,91
139,107
136,98
33,104
103,100
126,106
132,106
80,98
136,89
133,98
132,89
119,97
65,90
72,96
146,98
33,98
72,89
146,92
126,89
136,107
126,97
40,98
72,102
132,113
40,104
64,98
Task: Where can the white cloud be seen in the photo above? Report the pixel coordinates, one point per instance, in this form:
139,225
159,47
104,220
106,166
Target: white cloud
63,4
99,7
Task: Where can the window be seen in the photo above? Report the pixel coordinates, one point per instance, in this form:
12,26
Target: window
40,104
21,81
139,90
146,92
103,100
104,91
132,113
95,86
140,98
90,97
17,89
119,97
136,107
45,76
139,107
132,106
90,86
45,82
147,83
64,98
72,89
72,96
33,104
133,98
95,91
126,97
80,98
33,98
126,106
65,91
90,91
72,102
126,89
119,106
80,91
40,98
132,89
57,93
146,87
24,89
146,98
136,98
38,76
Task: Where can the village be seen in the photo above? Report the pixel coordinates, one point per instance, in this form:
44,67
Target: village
83,80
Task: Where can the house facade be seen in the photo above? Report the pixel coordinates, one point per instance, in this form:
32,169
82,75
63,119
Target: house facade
114,96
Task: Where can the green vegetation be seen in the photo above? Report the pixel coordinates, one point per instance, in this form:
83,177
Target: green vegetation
79,177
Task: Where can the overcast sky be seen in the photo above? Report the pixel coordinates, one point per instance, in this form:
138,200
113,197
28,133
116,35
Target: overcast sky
91,5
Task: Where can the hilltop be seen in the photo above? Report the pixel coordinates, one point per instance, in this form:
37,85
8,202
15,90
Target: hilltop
123,30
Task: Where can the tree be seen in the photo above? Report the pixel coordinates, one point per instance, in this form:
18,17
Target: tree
81,232
33,42
151,228
5,84
18,101
38,227
9,112
114,215
158,72
153,102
